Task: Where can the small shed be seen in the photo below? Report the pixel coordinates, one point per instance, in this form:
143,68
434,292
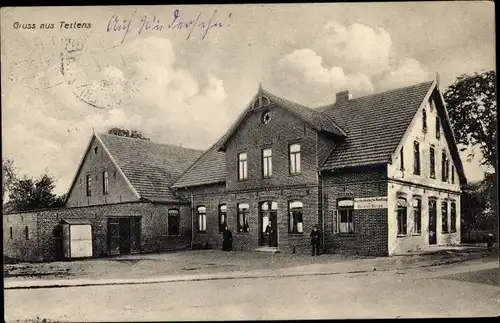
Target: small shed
77,238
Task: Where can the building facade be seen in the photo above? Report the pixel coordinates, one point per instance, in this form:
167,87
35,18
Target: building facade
379,175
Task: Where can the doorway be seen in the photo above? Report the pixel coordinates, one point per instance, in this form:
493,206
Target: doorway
432,222
268,214
124,235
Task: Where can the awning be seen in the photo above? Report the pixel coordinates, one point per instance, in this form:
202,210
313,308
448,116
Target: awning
76,221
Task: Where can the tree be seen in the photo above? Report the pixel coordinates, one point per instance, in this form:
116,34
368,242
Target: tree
127,133
8,176
30,194
471,103
472,106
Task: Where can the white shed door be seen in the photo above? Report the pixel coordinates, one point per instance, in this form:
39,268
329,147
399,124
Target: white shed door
81,240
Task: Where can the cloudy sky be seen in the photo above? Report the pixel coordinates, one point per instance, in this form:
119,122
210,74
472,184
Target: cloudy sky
148,69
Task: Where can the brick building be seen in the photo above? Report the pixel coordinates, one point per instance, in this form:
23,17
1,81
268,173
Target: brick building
379,175
122,188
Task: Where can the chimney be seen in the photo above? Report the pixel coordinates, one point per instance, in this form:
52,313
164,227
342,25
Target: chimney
343,97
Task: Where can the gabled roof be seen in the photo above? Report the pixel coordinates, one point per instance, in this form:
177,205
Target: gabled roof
150,167
316,119
371,128
375,124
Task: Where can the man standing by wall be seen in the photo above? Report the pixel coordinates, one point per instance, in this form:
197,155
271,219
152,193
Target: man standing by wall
315,240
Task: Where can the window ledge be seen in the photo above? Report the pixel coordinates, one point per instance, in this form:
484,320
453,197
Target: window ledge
402,235
416,234
295,174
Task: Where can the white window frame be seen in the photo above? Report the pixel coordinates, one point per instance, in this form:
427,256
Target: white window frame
201,212
294,152
242,166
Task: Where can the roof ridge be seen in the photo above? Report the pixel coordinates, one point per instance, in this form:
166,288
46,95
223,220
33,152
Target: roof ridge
148,141
378,93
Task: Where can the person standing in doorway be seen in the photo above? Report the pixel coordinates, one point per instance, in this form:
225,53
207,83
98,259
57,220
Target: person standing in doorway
270,234
315,240
227,239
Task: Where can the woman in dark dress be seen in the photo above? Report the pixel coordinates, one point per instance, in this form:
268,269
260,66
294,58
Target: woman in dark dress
227,239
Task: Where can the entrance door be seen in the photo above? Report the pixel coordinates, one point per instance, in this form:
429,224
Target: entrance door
113,236
269,215
432,222
125,241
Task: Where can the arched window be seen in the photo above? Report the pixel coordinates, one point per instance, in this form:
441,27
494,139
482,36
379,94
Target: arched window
424,120
201,211
242,224
402,216
295,217
222,217
173,222
345,218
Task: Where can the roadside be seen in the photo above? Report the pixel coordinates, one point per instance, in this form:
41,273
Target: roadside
215,264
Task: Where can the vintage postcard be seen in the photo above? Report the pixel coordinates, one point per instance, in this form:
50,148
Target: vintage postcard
249,162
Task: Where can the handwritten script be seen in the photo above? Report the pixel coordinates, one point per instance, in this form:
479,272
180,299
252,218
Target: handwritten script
202,23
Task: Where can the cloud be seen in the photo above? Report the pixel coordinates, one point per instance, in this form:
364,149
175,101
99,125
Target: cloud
137,85
354,57
408,71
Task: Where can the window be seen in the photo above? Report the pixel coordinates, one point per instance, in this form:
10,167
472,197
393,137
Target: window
26,232
444,217
345,216
295,219
444,162
452,174
453,217
242,167
202,218
243,217
294,158
402,216
416,158
89,185
222,217
105,182
267,163
417,215
402,157
173,222
432,157
95,150
11,235
424,120
438,128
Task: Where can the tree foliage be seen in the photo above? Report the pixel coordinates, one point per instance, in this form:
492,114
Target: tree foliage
471,103
30,194
127,133
8,176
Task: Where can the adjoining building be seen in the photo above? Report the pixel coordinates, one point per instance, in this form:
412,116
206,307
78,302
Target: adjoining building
379,175
122,189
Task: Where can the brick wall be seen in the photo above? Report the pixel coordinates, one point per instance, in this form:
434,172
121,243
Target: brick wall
42,243
370,225
252,136
213,196
95,164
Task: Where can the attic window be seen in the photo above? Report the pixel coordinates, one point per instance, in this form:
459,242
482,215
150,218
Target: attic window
261,101
95,150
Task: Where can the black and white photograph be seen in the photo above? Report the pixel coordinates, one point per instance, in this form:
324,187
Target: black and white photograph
279,161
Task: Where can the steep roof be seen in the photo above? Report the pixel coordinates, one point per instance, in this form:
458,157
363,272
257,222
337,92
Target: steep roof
374,124
151,168
371,127
315,118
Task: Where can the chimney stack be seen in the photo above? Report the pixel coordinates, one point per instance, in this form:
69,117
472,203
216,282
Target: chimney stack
343,97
